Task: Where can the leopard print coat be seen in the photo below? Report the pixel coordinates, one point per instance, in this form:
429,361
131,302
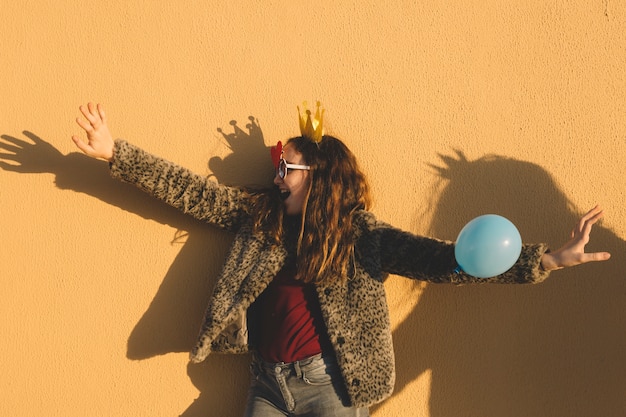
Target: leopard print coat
355,310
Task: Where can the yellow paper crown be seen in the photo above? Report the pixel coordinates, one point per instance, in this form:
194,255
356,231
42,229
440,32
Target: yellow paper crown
312,127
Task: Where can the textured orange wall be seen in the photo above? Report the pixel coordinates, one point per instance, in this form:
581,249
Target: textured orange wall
453,108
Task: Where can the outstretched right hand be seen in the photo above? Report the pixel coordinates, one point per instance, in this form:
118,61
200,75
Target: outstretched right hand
99,140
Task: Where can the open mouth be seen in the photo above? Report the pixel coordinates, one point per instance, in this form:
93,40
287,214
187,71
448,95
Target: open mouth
284,194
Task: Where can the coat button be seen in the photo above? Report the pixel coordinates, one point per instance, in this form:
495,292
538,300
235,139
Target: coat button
327,291
341,340
356,382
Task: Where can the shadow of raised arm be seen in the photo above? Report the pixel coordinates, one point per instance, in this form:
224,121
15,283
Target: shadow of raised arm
79,173
485,345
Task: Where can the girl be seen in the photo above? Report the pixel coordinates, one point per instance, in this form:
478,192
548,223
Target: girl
302,286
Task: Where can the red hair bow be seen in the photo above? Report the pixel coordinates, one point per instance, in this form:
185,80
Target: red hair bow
276,152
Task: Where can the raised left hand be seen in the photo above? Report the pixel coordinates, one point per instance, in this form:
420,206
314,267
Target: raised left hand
573,252
99,140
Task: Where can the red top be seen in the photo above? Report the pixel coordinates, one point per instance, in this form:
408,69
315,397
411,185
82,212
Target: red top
292,326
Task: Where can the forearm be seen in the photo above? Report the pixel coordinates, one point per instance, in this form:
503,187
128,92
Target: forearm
433,260
527,270
191,193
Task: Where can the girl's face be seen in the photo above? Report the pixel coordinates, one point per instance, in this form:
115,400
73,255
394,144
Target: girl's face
295,186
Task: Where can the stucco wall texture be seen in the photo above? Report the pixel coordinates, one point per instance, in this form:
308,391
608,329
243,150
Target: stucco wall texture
454,109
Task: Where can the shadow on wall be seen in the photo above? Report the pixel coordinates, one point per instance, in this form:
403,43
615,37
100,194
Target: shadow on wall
551,349
172,321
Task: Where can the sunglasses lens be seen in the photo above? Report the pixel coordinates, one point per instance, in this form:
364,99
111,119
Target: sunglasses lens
282,169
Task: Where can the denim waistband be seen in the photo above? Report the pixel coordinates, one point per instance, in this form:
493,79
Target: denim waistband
297,366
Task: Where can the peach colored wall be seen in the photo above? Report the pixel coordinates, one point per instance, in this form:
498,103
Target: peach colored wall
453,108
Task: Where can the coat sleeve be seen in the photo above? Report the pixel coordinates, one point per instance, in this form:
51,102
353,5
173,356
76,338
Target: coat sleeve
432,260
193,194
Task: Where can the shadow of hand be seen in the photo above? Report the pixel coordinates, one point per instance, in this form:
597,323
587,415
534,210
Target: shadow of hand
79,173
35,157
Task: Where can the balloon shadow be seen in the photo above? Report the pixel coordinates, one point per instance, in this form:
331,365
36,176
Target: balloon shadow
171,322
550,349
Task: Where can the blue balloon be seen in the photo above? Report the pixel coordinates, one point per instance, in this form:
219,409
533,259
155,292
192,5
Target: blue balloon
487,246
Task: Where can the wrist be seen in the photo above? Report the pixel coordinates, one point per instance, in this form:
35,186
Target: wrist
110,154
549,262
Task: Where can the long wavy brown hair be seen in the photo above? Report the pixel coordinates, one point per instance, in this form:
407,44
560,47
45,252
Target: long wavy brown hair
337,189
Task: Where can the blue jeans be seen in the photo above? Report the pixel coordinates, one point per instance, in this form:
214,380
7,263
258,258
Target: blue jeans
312,387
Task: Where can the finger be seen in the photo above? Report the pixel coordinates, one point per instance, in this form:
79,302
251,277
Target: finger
92,109
10,167
9,156
15,141
87,127
96,120
10,148
103,116
82,145
594,214
586,227
591,213
33,137
595,257
87,113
